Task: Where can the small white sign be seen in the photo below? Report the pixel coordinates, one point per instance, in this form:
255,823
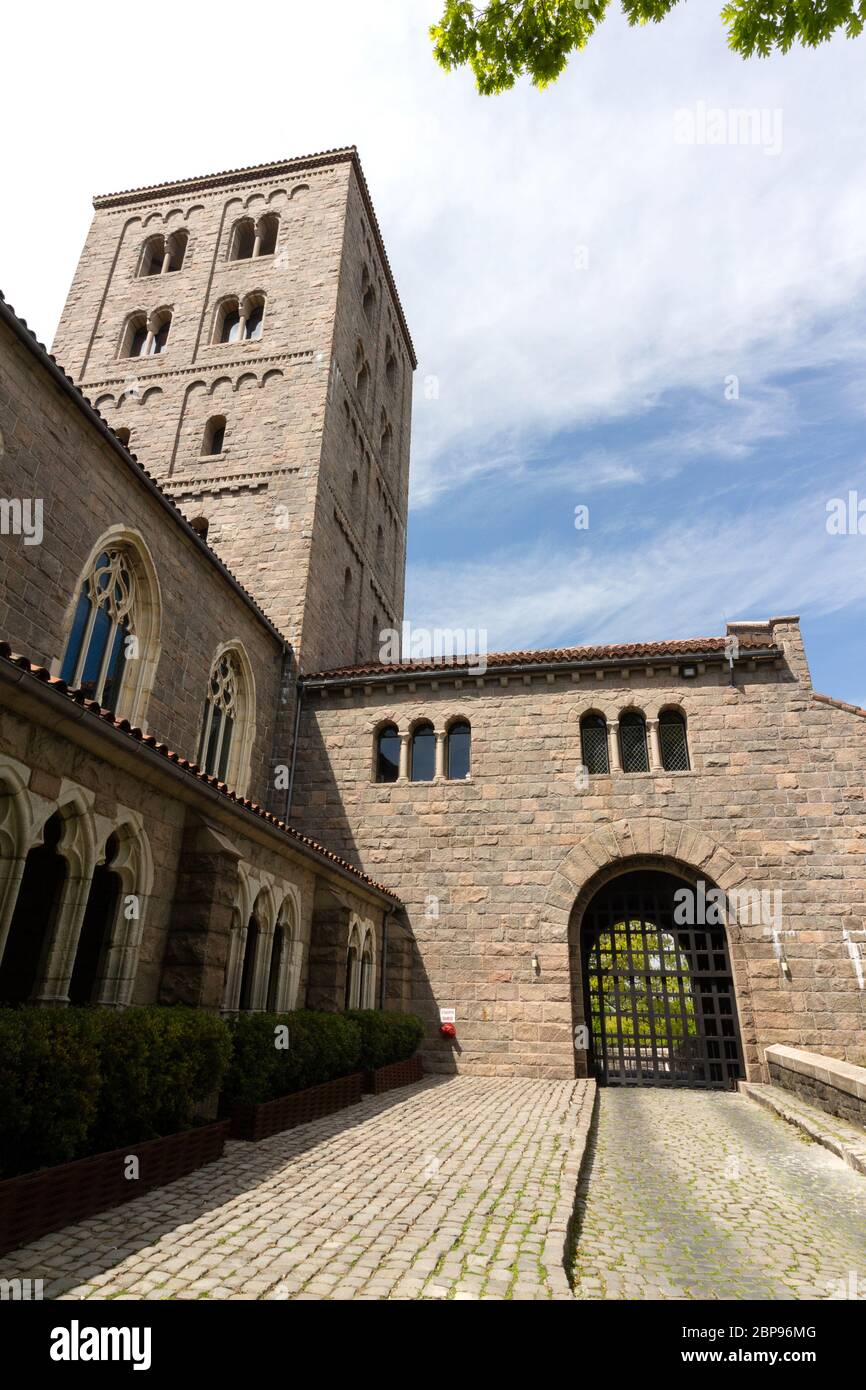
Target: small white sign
447,1015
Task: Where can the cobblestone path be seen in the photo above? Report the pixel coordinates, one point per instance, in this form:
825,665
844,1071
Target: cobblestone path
705,1195
454,1188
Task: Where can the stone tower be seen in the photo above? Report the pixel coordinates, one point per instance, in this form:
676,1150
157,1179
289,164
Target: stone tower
245,330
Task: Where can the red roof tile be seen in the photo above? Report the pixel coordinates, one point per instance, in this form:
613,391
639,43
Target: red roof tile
93,707
622,653
839,704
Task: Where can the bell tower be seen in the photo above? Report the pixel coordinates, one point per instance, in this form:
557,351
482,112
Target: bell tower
243,333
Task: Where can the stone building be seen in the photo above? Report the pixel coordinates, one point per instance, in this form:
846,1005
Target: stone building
644,861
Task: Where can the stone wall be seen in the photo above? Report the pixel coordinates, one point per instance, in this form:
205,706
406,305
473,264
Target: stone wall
837,1087
491,868
52,452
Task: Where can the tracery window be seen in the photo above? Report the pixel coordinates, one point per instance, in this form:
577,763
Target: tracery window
98,644
220,716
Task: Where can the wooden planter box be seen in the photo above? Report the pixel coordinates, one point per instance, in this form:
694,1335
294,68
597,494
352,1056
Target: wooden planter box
272,1116
35,1203
395,1074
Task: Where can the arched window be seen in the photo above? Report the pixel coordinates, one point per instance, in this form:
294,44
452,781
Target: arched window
152,256
385,444
632,742
243,240
366,983
245,1002
98,644
458,751
390,364
97,928
254,321
228,723
423,754
266,235
220,716
593,744
159,333
228,323
116,616
35,915
214,435
673,742
278,947
350,997
362,374
368,294
387,754
135,341
176,249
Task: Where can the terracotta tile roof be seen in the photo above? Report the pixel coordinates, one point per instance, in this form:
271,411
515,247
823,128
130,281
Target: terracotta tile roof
342,154
839,704
554,656
39,350
93,707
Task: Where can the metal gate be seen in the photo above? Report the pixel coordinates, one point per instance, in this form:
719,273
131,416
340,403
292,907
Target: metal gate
659,996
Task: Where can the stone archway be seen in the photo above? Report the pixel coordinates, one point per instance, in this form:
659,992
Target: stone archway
684,849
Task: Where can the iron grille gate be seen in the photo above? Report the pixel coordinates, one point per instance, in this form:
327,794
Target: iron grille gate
659,996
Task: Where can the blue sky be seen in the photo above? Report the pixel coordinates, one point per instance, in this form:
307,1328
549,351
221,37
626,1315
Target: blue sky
579,282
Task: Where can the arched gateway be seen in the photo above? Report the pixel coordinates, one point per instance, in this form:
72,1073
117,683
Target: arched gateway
658,991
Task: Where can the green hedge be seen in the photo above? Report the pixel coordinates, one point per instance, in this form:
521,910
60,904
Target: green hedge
78,1081
321,1046
386,1037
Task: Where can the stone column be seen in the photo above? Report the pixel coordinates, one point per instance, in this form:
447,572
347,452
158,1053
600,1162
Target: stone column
404,758
655,752
439,770
166,262
613,745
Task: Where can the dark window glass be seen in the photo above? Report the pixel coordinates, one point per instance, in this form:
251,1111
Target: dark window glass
388,755
672,741
632,742
351,967
249,962
160,337
79,623
593,744
139,338
245,238
226,747
459,740
231,327
254,323
99,639
423,754
274,970
210,758
116,665
268,236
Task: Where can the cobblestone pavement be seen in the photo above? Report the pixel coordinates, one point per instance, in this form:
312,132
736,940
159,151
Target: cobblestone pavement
454,1188
705,1195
